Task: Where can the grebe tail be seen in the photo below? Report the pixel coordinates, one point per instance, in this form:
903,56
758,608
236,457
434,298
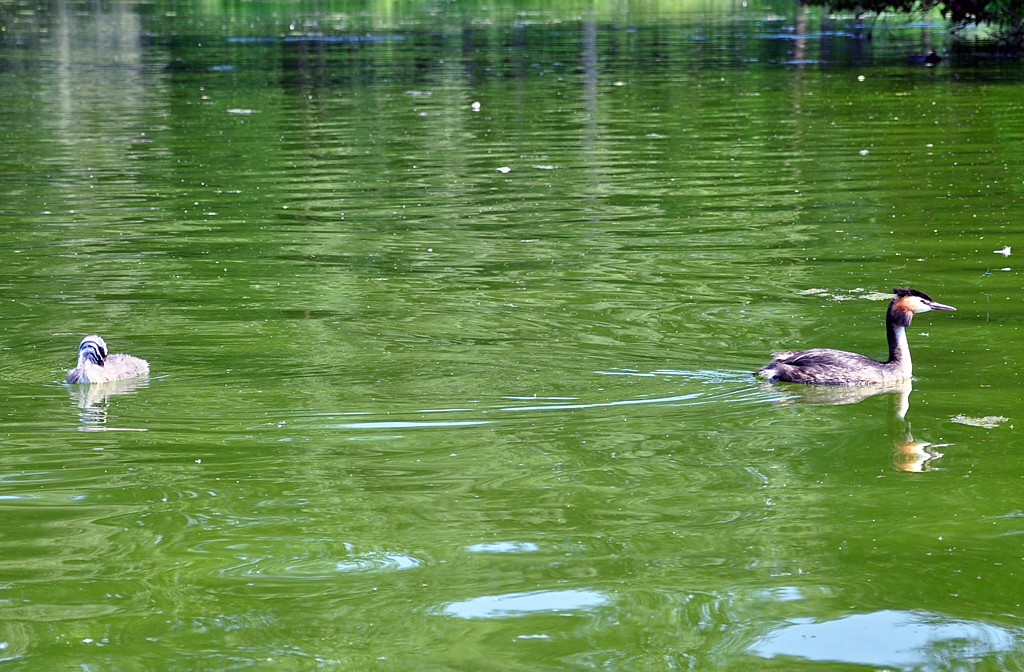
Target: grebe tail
96,366
824,366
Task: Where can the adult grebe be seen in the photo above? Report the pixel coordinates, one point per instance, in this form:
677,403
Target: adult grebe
823,366
95,366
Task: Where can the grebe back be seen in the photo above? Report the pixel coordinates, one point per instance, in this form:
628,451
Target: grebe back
824,366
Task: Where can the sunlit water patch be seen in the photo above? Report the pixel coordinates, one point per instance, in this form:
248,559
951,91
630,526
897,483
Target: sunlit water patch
504,547
565,602
894,639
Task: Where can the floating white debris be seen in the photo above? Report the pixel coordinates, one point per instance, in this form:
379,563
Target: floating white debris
813,290
860,78
240,110
475,107
1005,251
504,169
544,167
618,83
988,422
864,152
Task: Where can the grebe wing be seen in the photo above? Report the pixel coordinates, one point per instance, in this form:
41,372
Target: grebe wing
822,366
828,357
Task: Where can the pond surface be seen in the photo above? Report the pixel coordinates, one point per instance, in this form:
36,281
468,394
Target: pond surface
446,386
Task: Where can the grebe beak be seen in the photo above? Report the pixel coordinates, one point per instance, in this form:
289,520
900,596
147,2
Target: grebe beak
935,305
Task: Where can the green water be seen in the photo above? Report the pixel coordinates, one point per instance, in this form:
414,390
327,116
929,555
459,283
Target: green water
411,410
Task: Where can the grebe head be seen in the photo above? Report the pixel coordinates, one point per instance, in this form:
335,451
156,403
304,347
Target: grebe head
909,301
92,349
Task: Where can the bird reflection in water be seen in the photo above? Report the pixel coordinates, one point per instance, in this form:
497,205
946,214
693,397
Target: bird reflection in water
908,454
93,400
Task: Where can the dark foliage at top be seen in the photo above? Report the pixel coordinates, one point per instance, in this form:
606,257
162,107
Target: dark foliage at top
1004,17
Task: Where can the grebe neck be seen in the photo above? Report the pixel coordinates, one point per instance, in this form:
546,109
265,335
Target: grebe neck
896,323
899,350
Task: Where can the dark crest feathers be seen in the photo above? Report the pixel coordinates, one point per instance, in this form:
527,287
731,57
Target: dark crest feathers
907,291
93,349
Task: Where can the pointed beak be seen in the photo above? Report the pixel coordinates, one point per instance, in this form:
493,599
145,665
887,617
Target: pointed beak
934,305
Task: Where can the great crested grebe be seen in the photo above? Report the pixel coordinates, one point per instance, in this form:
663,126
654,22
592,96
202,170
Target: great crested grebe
96,366
824,366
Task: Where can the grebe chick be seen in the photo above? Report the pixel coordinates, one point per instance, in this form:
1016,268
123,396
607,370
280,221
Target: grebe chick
824,366
96,366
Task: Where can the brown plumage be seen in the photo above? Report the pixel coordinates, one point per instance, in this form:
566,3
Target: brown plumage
824,366
96,366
